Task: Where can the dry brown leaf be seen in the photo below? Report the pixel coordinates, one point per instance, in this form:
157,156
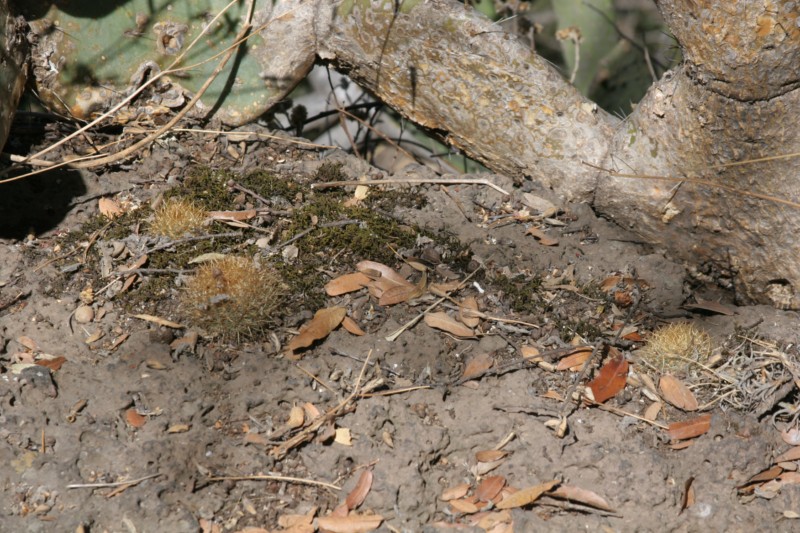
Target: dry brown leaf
53,364
467,312
134,419
792,454
489,488
347,283
444,322
584,496
296,417
352,327
255,438
575,359
178,428
158,320
791,436
324,321
370,267
688,498
343,437
690,428
233,215
360,491
476,366
464,506
399,294
711,306
676,393
488,456
454,493
651,413
765,475
526,496
542,237
350,524
28,343
443,289
109,208
612,377
529,352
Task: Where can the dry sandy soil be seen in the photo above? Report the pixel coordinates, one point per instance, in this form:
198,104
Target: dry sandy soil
127,433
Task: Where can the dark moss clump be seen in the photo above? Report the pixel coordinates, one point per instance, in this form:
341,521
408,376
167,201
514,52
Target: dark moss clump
206,187
330,172
520,293
567,330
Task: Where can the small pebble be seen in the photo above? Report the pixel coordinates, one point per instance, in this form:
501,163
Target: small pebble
84,314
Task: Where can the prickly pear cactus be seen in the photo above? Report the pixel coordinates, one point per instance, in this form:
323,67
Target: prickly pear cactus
12,67
87,56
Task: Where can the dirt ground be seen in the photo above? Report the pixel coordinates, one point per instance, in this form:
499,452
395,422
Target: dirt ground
131,431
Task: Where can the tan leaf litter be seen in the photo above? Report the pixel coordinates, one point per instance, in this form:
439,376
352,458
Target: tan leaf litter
677,394
443,321
324,321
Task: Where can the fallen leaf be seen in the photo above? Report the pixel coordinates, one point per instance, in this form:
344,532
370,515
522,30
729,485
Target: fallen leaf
28,343
233,215
575,359
689,428
467,312
443,321
651,413
312,413
792,454
296,417
352,327
526,496
489,488
529,352
399,294
676,393
711,307
384,271
109,208
542,237
255,438
688,498
791,436
496,522
612,377
584,496
544,207
347,283
324,321
454,493
464,506
178,428
158,320
343,437
476,366
350,524
134,419
488,456
53,364
360,491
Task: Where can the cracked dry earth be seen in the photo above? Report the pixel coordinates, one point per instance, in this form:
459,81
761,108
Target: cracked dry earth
216,414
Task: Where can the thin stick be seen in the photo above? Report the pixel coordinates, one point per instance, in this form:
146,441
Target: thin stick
192,239
395,391
418,181
107,485
410,323
259,136
289,479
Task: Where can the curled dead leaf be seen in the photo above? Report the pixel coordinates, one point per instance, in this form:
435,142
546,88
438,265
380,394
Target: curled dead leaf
134,419
476,366
350,524
489,488
542,237
526,496
360,491
676,393
347,283
454,493
352,327
319,327
612,377
488,456
690,428
444,322
579,495
468,312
